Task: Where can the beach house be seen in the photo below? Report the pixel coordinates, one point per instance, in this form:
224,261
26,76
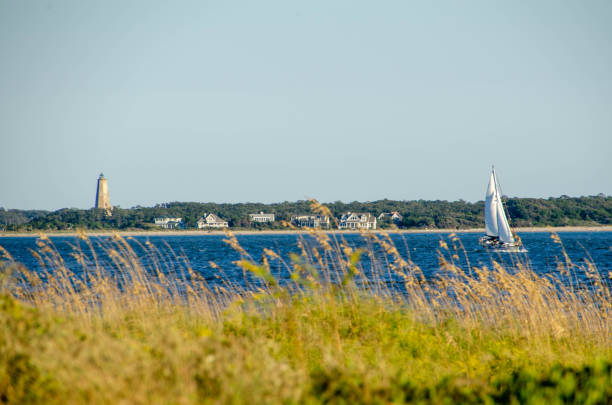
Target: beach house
357,220
168,223
211,221
394,216
261,217
311,221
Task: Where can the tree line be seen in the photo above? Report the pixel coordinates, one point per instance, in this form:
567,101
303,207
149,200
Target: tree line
421,214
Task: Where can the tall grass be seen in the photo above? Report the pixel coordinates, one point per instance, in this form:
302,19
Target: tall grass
144,327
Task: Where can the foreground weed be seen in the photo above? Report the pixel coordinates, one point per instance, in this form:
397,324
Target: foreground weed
127,332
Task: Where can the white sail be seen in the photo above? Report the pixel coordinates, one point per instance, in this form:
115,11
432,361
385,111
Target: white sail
503,228
498,233
491,204
505,235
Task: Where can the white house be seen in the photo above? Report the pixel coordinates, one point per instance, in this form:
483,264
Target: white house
393,215
168,223
357,220
311,221
211,221
261,217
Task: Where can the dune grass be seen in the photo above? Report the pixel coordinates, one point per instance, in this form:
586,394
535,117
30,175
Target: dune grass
158,333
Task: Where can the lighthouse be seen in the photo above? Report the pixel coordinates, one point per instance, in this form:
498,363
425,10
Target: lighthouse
102,199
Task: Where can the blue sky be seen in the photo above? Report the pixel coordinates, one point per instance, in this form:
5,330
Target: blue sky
274,101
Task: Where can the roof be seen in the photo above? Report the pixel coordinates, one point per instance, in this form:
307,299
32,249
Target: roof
212,217
359,216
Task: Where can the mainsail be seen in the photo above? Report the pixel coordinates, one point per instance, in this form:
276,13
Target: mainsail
491,208
496,222
505,235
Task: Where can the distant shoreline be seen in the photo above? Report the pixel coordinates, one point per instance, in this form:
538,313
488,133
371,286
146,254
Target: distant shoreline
603,228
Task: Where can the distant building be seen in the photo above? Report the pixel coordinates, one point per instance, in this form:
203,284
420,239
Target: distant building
261,217
393,215
357,220
311,221
168,223
211,221
102,198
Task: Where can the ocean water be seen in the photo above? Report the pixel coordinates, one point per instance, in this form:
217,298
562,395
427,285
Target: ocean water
198,251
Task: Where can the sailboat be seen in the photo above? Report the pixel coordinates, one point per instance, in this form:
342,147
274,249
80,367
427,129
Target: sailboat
498,234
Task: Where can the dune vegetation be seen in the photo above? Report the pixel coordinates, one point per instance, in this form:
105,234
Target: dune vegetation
151,331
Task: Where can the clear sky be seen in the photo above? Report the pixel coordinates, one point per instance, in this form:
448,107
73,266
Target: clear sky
271,101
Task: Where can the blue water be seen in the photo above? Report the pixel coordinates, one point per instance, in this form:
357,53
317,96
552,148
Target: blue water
543,253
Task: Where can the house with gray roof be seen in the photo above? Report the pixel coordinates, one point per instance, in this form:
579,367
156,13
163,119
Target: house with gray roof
393,216
211,221
357,220
261,217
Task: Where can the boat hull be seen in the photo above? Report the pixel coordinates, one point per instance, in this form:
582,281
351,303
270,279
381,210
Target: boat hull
510,249
496,245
